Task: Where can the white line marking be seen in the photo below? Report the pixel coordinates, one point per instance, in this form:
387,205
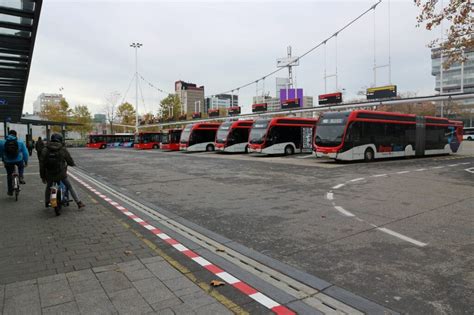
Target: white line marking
227,277
120,208
420,170
359,219
149,227
357,179
128,213
344,211
201,261
138,220
338,186
438,167
180,247
330,196
465,163
379,175
163,236
403,172
451,165
403,237
470,170
262,299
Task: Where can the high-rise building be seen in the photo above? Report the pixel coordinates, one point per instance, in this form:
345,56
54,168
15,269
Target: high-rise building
281,83
221,101
458,77
189,94
46,98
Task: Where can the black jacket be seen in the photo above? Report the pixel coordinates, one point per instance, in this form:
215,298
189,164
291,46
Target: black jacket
59,173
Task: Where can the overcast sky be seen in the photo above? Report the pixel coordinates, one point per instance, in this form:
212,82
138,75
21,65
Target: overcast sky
83,47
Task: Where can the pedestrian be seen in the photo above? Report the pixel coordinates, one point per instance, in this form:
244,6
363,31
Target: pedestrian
13,152
30,146
54,161
39,147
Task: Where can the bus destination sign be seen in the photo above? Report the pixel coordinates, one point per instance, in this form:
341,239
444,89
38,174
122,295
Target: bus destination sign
388,91
332,98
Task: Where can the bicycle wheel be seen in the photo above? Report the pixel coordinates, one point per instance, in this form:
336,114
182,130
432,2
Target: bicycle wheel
16,187
57,209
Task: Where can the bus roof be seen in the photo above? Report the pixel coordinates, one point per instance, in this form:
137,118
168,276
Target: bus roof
295,121
205,125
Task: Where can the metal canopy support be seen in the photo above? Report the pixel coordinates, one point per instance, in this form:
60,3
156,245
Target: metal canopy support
16,50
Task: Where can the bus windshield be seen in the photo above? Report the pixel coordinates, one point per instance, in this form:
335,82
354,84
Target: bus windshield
258,132
330,129
222,132
186,133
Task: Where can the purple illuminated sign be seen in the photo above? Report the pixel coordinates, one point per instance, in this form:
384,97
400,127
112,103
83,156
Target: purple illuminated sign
292,95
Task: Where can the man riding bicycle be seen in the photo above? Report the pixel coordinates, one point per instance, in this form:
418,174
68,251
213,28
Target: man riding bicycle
13,152
54,160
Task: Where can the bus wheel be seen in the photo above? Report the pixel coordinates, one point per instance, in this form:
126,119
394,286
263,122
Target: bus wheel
369,155
209,148
155,146
289,150
102,146
246,149
469,139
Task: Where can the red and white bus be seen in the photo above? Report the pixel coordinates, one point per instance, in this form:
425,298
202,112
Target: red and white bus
368,135
147,140
233,136
198,137
170,139
282,135
104,141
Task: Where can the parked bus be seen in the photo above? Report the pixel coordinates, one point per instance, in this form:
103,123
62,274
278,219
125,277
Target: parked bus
233,136
199,137
147,140
282,135
368,135
103,141
468,133
170,139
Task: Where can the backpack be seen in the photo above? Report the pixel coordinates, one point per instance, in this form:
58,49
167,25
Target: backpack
11,149
55,162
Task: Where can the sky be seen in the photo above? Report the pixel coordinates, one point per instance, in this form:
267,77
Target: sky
83,48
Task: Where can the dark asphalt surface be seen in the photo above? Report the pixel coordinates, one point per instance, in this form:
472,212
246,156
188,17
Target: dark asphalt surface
279,207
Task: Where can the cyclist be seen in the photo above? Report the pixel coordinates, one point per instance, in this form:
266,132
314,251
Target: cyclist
13,152
54,161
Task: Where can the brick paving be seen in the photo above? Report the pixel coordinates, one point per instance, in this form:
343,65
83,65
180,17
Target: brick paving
84,262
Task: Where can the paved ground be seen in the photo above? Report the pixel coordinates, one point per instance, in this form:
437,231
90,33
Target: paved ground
92,262
397,232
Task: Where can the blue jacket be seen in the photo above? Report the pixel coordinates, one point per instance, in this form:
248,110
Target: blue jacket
22,151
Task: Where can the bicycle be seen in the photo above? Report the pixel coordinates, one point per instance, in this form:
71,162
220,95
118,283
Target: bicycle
16,182
59,197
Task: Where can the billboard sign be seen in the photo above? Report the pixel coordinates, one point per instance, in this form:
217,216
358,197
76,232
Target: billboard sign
388,91
332,98
287,62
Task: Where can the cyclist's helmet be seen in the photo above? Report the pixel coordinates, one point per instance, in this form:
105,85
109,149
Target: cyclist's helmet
56,137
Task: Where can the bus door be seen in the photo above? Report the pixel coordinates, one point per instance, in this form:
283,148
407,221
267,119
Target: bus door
420,138
307,137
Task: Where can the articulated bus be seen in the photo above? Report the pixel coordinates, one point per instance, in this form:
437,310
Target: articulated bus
116,140
233,136
170,139
198,137
147,140
282,135
368,135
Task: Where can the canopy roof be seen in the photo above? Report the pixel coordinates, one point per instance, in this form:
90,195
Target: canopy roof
18,25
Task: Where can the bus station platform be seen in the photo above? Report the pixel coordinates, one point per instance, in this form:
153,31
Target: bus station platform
89,262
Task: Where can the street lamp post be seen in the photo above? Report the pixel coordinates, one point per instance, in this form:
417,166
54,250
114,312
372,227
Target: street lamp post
136,46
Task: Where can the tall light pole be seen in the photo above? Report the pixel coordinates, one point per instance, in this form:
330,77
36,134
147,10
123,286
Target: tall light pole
136,46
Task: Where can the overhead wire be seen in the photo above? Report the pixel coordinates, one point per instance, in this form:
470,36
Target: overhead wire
323,42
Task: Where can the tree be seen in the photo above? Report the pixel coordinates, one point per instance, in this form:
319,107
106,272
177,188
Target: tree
81,115
148,118
458,13
170,107
59,112
110,108
126,113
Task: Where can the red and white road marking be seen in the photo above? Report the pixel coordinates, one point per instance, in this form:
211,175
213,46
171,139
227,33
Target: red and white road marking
259,297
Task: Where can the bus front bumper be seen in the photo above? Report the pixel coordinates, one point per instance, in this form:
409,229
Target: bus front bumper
329,155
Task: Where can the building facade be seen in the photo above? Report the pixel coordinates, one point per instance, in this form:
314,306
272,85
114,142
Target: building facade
189,95
221,101
458,78
273,103
44,99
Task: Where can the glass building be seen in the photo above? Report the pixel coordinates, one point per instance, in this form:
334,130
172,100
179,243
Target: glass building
456,76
